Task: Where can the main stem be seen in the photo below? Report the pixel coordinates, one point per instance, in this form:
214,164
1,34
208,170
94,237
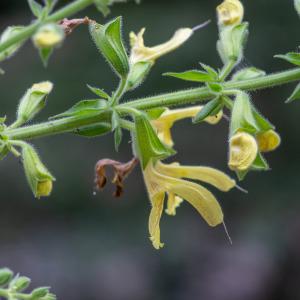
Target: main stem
190,96
64,12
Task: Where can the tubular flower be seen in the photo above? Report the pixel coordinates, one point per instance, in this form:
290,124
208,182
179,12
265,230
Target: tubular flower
243,150
268,141
230,12
165,122
162,179
141,53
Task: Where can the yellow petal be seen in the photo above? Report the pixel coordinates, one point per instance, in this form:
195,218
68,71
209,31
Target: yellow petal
230,12
173,203
166,121
199,197
141,53
154,219
209,175
243,150
268,141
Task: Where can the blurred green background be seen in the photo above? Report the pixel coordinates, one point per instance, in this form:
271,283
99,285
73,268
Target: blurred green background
97,247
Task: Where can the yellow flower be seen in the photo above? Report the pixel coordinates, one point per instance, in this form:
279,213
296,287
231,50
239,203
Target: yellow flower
162,179
44,188
243,150
268,141
48,36
165,122
230,12
139,52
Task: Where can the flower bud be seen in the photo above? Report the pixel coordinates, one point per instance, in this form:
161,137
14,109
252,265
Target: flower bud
232,41
40,293
8,33
268,141
19,284
39,178
48,36
33,101
230,12
5,276
242,151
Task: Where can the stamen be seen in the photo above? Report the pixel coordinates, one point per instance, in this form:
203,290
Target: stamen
241,189
200,26
227,233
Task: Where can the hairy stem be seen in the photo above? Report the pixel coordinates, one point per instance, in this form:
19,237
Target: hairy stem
64,12
190,96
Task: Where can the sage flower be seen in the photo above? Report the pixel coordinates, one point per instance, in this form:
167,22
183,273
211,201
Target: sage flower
230,12
141,53
166,121
162,179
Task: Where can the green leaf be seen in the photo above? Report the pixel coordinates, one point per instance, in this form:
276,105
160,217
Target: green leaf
242,117
247,73
212,72
291,57
211,107
109,41
262,123
50,4
8,33
115,120
215,87
155,113
45,54
84,107
35,8
297,6
148,144
260,164
98,92
103,6
192,75
118,134
138,73
94,130
295,95
4,150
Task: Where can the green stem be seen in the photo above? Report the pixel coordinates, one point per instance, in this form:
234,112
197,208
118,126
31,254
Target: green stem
64,12
190,96
227,69
120,91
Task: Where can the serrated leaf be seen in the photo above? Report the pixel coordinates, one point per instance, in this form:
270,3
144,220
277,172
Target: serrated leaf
148,144
291,57
84,107
35,8
98,92
211,107
94,130
192,75
295,95
247,73
45,54
108,40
